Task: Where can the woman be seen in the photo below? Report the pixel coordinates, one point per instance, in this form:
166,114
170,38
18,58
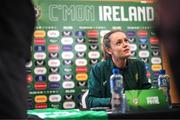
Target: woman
117,53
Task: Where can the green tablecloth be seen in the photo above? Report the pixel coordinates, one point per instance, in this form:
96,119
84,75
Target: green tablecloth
73,114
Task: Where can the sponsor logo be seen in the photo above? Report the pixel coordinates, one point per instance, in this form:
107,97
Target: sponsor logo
80,54
54,98
39,48
39,41
54,85
53,48
40,98
68,97
67,40
40,78
54,77
37,12
67,62
81,69
67,69
66,33
143,40
92,34
68,84
133,47
54,63
29,78
131,40
29,64
40,70
53,33
145,60
39,34
148,74
93,54
53,40
81,62
67,47
142,33
154,40
147,67
155,47
144,54
93,61
80,33
156,53
156,67
80,40
68,77
133,53
40,105
93,40
69,105
70,91
156,73
40,86
93,47
130,33
81,76
54,70
40,56
156,60
143,46
103,32
67,55
82,84
53,55
39,63
80,48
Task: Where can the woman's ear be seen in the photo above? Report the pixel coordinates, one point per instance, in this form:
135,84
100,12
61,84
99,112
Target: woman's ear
108,50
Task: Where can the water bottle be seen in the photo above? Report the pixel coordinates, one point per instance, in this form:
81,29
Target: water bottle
163,84
118,102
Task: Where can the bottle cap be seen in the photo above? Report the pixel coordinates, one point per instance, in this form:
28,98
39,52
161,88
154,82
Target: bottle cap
115,70
163,72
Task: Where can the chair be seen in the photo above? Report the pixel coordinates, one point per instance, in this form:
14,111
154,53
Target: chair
83,99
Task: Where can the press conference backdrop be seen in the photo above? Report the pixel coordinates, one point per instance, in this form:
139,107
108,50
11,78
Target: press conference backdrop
67,42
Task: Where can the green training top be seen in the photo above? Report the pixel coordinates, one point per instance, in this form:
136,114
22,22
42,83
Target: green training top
134,75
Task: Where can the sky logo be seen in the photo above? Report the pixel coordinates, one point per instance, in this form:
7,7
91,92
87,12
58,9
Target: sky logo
81,62
55,98
68,84
67,40
54,63
69,105
40,55
67,55
93,54
54,77
40,70
80,48
53,33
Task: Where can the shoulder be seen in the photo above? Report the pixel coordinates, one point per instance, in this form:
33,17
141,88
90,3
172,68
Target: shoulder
102,65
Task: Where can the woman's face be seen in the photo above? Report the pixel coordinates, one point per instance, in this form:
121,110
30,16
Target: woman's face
119,46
